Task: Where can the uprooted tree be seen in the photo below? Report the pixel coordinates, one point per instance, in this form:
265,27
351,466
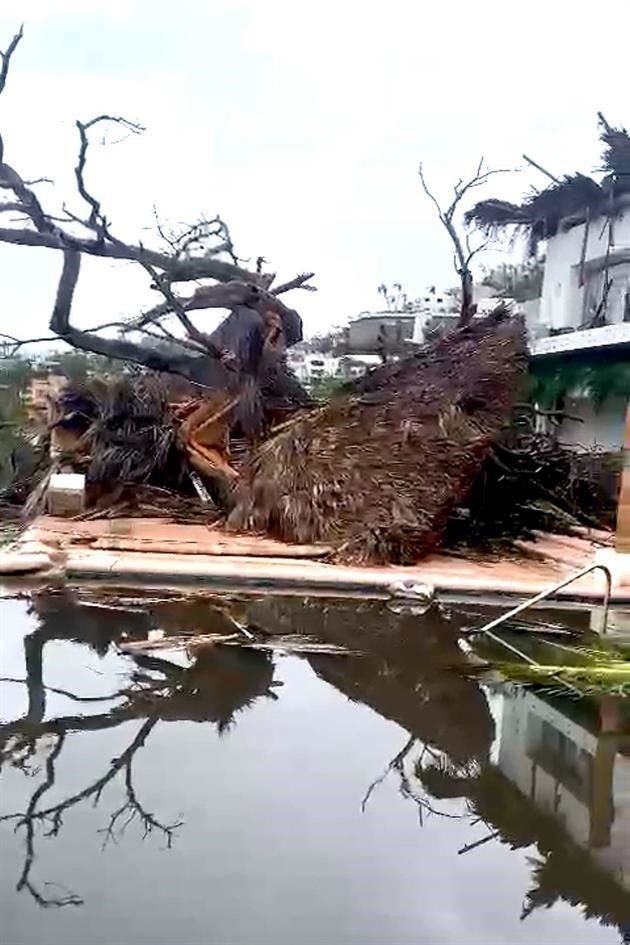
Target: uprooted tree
248,344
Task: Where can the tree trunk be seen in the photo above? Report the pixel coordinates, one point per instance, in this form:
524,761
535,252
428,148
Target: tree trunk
235,347
468,307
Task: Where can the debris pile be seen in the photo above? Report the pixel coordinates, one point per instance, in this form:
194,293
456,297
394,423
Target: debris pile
378,471
417,454
530,483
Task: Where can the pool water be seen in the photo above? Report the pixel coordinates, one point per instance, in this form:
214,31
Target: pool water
239,796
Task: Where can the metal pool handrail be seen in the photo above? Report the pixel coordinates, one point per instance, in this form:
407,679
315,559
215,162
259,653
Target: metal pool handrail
487,628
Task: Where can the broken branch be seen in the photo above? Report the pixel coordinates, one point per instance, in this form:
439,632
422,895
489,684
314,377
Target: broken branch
5,60
96,220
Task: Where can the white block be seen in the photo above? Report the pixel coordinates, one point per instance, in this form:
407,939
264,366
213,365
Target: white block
66,494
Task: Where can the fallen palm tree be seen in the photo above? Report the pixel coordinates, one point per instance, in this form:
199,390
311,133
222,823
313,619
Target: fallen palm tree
378,471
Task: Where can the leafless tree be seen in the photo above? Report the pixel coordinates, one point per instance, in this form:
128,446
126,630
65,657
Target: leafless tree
464,250
202,251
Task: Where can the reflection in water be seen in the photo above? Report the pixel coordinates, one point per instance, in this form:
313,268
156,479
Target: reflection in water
560,785
531,773
405,675
219,684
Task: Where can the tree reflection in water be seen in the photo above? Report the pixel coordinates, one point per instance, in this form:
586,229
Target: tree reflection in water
218,684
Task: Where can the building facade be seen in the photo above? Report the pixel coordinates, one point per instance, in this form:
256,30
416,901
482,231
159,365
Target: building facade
313,368
369,330
40,390
583,326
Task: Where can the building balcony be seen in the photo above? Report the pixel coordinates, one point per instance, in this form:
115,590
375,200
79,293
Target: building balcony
609,336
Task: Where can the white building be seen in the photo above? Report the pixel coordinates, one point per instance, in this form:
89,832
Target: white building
309,368
314,367
572,289
580,777
579,264
443,308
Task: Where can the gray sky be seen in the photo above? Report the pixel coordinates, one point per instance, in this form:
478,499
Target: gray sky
302,124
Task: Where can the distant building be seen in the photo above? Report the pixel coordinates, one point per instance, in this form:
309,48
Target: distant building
355,365
309,368
41,388
366,332
441,310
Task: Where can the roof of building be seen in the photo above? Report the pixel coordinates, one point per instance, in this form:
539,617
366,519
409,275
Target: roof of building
382,315
567,201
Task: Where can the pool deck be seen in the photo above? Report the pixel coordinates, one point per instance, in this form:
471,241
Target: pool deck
158,552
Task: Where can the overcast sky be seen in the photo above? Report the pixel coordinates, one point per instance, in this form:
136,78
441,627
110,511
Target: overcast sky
301,123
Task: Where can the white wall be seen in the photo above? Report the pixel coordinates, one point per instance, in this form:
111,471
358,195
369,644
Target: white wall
603,427
521,717
562,298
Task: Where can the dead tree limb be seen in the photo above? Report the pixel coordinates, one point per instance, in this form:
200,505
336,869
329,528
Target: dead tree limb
543,170
96,221
185,270
208,371
301,281
218,359
464,252
5,59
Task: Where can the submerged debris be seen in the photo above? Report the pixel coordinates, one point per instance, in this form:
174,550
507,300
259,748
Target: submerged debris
284,643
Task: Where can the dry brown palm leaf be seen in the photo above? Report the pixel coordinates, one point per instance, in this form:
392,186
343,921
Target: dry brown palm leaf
378,470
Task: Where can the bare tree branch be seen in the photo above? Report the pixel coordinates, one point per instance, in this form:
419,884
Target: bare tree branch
118,347
5,61
14,344
93,790
96,221
230,295
179,309
540,168
213,360
133,808
11,207
186,270
299,282
28,200
464,253
62,692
